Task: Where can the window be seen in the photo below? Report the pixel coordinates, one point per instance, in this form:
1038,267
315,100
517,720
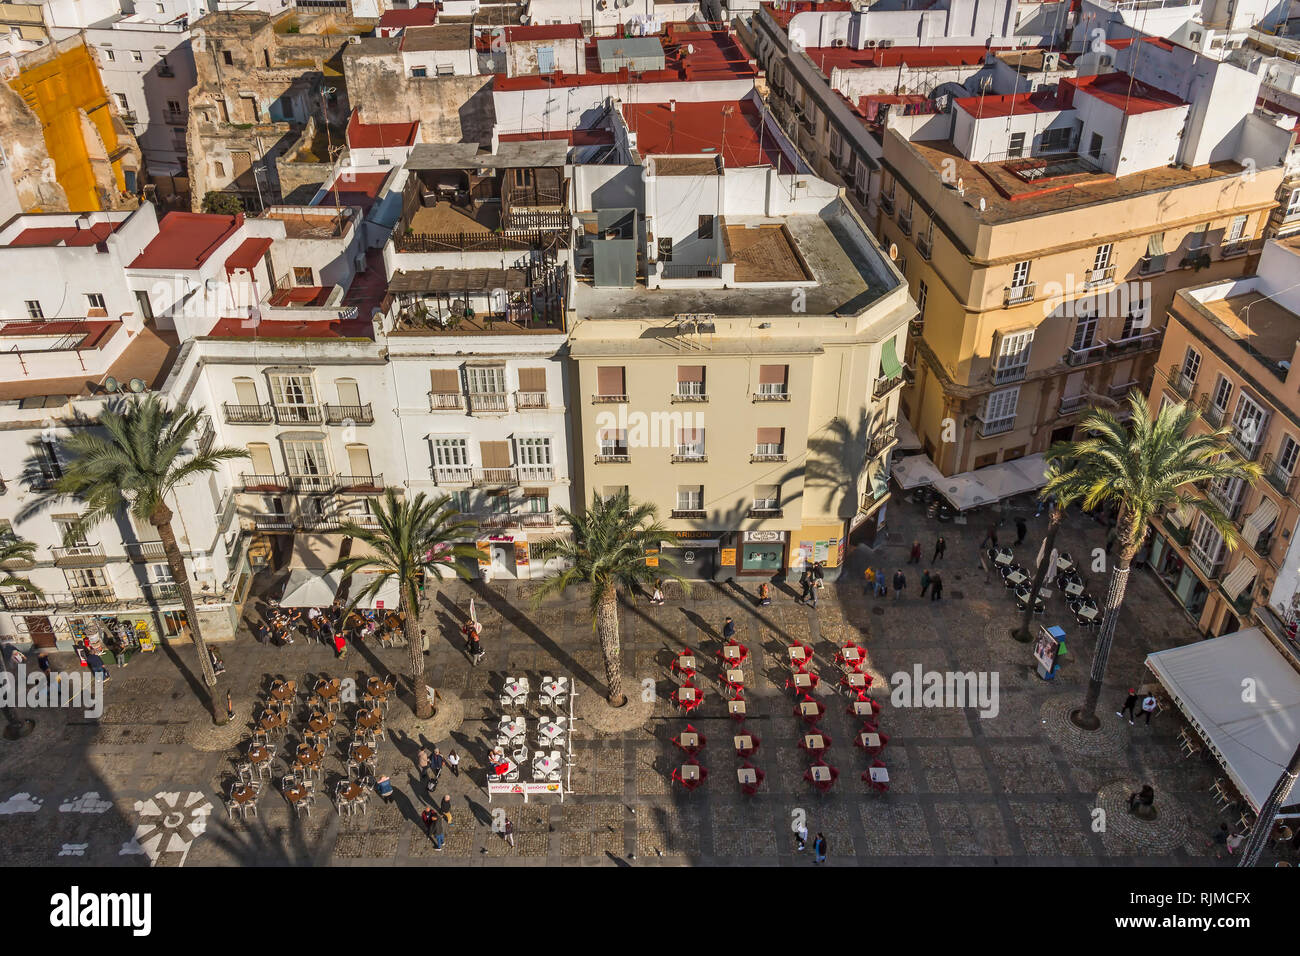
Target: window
1135,322
1094,146
34,309
1085,333
1058,138
306,457
536,501
1198,239
47,462
533,451
770,443
1191,365
227,58
1287,455
1012,356
767,497
121,100
690,497
1101,258
610,492
665,247
174,106
690,381
1237,229
137,56
451,452
1207,543
95,300
1016,146
999,414
772,381
610,383
690,443
1293,203
922,296
294,397
706,227
1222,393
108,55
302,275
71,533
613,443
1248,423
419,72
1020,274
486,379
219,169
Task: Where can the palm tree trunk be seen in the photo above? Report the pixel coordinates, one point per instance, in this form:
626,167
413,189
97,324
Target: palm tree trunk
415,655
1086,716
1258,839
1053,526
162,520
607,631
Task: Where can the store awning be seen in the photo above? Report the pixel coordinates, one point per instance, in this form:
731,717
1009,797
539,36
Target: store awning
914,471
889,364
1252,739
994,483
387,598
310,588
907,437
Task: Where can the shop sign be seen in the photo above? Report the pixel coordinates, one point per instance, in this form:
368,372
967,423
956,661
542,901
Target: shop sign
764,537
728,557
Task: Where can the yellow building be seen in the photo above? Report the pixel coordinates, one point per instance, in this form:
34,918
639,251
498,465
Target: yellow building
94,158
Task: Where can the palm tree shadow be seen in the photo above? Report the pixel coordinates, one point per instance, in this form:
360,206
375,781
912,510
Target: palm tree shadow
262,844
207,695
521,620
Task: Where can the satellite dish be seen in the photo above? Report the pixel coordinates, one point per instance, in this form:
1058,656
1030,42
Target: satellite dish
690,48
111,384
982,203
524,19
136,385
893,251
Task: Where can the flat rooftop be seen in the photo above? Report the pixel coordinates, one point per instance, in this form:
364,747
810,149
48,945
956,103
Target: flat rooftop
732,129
1259,324
313,222
380,135
1015,189
827,58
444,36
186,239
148,356
832,250
31,233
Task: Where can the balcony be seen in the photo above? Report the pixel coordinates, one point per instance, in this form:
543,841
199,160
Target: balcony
142,551
1121,390
781,396
905,223
766,456
530,400
1102,276
887,204
884,439
1087,354
1248,449
446,402
1136,343
350,414
1071,404
488,403
175,117
444,475
272,522
609,399
536,472
264,483
996,427
689,396
495,477
79,556
870,503
94,597
298,414
313,484
886,385
613,456
537,519
496,520
1151,265
1019,294
361,484
1227,506
1181,383
1279,477
23,601
687,513
1234,247
764,512
925,245
915,327
687,454
1212,414
162,592
1211,568
247,414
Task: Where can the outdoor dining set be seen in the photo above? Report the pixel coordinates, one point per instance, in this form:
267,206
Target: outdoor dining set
314,724
549,729
1064,577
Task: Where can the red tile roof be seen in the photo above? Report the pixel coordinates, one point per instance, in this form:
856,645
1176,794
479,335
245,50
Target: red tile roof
242,328
1123,92
93,333
574,137
544,31
248,255
356,189
185,240
704,128
421,15
65,235
843,58
784,11
378,135
1039,101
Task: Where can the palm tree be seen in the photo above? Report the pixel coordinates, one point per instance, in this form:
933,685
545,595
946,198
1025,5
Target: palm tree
14,550
414,535
1277,797
149,451
608,552
1147,467
1060,501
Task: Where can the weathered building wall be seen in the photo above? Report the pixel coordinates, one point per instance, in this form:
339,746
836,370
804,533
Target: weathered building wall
29,162
451,109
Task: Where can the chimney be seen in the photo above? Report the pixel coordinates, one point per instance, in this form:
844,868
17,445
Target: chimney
672,106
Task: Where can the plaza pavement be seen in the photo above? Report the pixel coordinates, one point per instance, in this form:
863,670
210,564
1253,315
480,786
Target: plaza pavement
144,783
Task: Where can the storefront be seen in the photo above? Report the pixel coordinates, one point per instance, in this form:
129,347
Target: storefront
763,553
695,553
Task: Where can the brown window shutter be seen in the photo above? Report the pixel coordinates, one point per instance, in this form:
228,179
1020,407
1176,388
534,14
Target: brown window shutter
532,380
536,493
772,374
446,381
771,436
496,454
690,373
609,379
688,436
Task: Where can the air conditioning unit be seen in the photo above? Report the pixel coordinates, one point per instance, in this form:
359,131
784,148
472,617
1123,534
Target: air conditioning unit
1051,60
354,39
871,43
1194,36
838,42
886,44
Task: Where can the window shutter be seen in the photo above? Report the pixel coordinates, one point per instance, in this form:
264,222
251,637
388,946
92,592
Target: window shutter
771,436
772,374
609,379
690,373
495,454
445,381
532,380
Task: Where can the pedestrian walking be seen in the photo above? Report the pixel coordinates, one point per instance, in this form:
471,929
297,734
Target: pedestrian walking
422,762
990,538
340,646
384,788
984,563
936,586
1130,705
818,572
868,582
925,581
445,807
96,665
508,833
436,762
1220,838
816,592
1022,529
728,629
1148,707
438,830
473,646
453,762
43,662
900,582
915,556
882,587
805,584
764,594
940,547
801,837
427,816
819,848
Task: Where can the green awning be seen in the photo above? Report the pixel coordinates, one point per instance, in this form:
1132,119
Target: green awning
890,367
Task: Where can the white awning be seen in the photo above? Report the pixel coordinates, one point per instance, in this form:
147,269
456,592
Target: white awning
1258,521
310,588
992,484
914,471
1238,578
907,437
387,598
1253,739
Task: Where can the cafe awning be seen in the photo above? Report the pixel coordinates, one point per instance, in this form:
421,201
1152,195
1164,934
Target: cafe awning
1253,738
912,471
994,483
387,598
248,255
310,588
